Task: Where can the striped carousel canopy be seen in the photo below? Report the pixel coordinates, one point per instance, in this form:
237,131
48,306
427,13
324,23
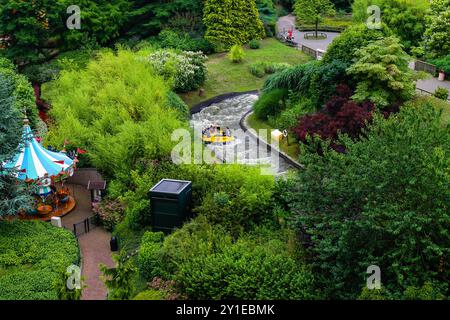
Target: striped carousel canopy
34,162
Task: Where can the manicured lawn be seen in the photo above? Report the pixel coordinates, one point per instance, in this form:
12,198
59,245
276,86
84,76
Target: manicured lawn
292,149
225,76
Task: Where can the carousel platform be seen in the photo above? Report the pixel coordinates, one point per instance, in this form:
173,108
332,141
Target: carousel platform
46,212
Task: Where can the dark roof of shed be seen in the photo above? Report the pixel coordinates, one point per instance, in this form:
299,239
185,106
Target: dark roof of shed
170,186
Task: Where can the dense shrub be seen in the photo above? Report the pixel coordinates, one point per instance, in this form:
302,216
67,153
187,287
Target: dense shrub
32,257
443,64
343,47
206,264
22,92
246,270
390,185
150,255
230,22
406,18
187,69
150,294
441,93
261,68
270,103
115,113
254,44
182,41
383,74
315,80
257,69
110,213
236,54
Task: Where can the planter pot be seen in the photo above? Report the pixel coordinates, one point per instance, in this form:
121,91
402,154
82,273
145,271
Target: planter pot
441,76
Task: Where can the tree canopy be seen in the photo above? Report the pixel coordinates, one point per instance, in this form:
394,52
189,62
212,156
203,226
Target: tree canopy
384,202
313,11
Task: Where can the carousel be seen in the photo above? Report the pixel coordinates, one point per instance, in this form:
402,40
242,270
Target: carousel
45,173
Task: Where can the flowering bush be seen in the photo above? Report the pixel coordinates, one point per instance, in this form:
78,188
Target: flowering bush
186,69
110,213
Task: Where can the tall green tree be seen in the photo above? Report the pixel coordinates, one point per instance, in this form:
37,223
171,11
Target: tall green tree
313,11
13,194
406,18
230,22
383,74
437,34
385,203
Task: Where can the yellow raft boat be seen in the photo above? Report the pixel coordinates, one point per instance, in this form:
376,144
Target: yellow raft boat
217,135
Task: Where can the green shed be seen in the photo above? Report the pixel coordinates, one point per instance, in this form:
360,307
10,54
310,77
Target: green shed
170,204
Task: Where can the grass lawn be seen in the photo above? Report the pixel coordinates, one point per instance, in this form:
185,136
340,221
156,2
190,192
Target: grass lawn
292,149
225,76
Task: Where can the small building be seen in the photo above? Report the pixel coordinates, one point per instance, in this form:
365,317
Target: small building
170,204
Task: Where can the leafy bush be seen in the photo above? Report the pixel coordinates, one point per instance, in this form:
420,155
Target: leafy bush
270,103
441,93
150,294
187,70
32,257
355,37
261,68
245,270
257,69
380,189
236,54
407,19
254,44
118,114
383,74
443,64
110,213
23,92
182,41
315,80
150,255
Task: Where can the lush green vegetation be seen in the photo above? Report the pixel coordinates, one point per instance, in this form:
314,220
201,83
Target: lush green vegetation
375,185
231,22
33,255
380,189
313,11
14,196
225,76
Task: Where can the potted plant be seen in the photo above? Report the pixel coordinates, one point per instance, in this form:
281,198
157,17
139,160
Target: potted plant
443,65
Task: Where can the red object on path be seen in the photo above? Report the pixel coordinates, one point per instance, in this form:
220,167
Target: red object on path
290,34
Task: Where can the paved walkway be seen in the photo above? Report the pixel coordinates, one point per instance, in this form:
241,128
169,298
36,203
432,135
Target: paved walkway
94,246
288,22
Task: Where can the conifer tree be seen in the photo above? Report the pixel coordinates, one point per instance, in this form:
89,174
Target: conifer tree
231,22
13,194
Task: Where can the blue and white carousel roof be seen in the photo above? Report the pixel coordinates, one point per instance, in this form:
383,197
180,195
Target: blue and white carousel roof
34,162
